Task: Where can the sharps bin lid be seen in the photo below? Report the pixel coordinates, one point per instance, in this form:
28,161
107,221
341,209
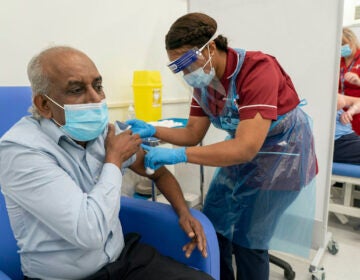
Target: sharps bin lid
147,78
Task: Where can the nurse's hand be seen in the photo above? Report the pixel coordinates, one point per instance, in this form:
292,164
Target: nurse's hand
158,156
142,128
194,230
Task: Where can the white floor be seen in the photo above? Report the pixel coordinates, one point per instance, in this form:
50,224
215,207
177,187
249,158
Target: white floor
345,265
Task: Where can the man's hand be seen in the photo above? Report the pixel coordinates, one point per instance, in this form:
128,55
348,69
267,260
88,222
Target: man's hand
120,147
195,231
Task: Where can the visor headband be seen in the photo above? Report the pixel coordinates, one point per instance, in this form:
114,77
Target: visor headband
188,58
183,61
213,37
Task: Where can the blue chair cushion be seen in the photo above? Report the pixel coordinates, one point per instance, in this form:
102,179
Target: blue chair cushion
346,169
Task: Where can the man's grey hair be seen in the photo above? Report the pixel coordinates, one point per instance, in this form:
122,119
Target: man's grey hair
39,79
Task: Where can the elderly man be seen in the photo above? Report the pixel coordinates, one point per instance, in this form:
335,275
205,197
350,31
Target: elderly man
61,174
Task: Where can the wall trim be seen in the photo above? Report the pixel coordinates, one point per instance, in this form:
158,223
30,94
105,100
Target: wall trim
125,104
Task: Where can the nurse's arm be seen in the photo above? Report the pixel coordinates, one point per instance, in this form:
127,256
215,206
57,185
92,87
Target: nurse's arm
190,135
350,102
249,138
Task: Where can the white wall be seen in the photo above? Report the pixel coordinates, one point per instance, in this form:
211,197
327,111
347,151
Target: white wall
348,19
349,12
120,36
304,35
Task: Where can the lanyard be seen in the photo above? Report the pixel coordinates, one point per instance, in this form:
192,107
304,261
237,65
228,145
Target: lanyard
342,74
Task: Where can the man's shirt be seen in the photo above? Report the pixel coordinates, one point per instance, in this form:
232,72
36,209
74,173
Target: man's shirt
63,201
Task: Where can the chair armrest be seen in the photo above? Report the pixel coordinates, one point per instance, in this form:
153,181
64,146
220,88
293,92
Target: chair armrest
3,276
158,225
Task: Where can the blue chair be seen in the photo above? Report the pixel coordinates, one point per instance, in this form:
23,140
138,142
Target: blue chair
159,227
14,104
9,258
349,176
3,276
156,222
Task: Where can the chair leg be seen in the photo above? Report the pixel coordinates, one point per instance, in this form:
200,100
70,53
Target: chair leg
289,274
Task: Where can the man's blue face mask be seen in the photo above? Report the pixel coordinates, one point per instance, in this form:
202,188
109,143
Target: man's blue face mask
84,122
345,50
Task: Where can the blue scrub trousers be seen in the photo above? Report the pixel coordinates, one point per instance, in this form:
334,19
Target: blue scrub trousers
251,264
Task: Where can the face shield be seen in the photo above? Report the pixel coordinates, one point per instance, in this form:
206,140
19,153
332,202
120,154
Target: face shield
198,71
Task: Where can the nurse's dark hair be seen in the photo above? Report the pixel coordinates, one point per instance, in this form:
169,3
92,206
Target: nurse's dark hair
193,29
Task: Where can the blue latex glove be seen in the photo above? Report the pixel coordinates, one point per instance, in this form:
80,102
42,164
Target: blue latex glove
142,128
158,156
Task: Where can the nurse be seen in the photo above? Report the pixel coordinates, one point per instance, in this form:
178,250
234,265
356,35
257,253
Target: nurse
266,162
349,77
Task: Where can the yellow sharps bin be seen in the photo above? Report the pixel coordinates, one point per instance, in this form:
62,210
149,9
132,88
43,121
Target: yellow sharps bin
147,89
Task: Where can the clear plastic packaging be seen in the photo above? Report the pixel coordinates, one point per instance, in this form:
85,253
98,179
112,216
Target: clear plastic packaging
131,112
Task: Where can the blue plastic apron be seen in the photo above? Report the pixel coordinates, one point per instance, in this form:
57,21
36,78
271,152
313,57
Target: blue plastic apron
268,203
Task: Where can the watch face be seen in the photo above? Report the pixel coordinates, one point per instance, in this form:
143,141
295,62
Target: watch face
151,141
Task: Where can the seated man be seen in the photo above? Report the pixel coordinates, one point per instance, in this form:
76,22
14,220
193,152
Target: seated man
347,142
61,175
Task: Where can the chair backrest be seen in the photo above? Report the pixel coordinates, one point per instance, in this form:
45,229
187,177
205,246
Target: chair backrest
9,257
14,104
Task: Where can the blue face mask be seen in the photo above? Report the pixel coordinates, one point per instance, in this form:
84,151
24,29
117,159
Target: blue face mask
345,50
200,79
84,122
